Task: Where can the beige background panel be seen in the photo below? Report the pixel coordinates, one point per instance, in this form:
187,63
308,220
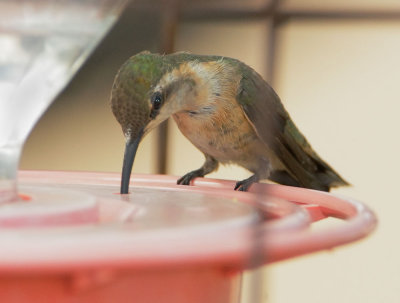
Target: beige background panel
340,82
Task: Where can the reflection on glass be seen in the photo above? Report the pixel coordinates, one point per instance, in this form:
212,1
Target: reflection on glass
42,43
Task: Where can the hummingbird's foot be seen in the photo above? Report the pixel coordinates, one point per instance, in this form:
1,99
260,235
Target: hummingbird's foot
186,179
245,184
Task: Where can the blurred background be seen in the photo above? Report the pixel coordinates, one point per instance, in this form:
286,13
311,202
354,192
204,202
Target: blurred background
335,65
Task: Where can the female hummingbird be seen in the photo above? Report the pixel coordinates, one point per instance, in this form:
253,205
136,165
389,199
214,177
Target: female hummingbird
225,109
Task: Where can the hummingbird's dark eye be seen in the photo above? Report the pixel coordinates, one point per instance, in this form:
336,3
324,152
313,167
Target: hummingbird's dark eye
156,100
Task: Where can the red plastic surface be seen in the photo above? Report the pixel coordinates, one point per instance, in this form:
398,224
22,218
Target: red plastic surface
285,236
110,260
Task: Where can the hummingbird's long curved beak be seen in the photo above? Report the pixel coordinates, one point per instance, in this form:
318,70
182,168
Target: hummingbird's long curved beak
129,157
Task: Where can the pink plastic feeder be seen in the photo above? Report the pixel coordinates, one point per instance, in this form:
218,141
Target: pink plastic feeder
73,239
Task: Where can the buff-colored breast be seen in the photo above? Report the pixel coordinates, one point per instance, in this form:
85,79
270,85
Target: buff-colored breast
215,123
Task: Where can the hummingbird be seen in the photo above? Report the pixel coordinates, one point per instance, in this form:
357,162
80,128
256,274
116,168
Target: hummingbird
225,109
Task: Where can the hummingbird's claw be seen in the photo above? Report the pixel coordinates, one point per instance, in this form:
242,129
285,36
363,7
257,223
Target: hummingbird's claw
186,179
245,184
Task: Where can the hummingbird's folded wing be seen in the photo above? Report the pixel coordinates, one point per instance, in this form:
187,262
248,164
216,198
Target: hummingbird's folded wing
273,125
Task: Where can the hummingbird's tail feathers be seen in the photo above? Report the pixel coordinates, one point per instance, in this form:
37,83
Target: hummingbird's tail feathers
311,173
323,180
328,176
303,163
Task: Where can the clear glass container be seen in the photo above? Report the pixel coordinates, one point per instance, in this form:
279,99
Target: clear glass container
43,44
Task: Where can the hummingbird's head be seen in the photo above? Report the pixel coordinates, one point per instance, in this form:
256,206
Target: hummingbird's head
132,103
141,99
130,95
